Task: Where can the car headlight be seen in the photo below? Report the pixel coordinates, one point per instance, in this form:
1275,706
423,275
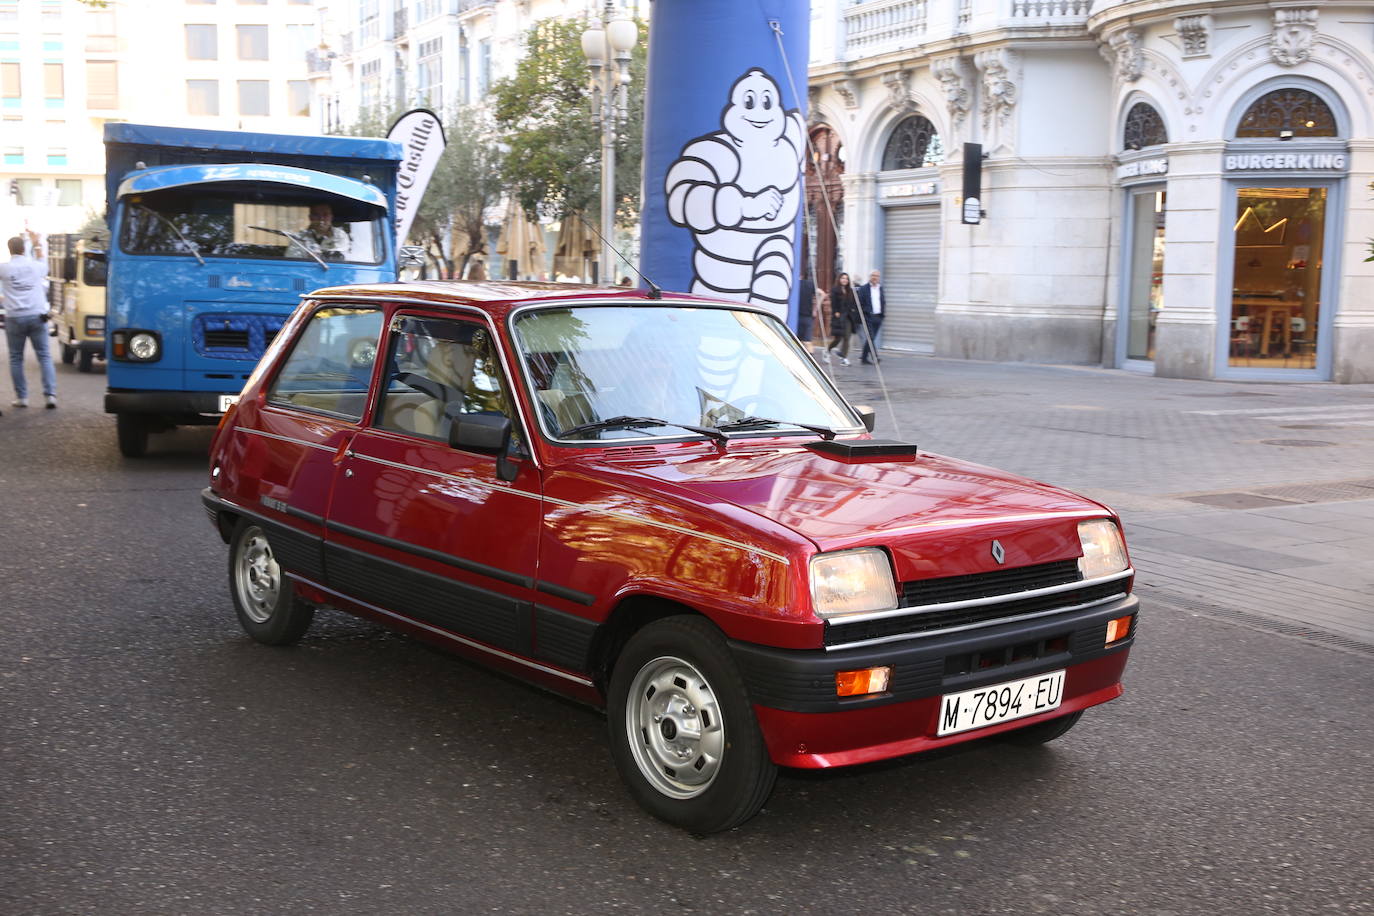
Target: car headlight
852,582
143,346
1104,552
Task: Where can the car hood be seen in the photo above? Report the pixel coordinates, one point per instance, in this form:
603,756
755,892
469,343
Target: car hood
932,513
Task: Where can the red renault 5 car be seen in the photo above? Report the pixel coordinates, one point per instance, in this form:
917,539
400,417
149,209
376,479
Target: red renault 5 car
662,506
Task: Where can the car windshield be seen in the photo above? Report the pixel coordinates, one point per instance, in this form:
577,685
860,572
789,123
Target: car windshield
239,224
622,372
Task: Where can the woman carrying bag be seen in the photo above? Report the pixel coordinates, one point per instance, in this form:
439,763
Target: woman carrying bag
844,316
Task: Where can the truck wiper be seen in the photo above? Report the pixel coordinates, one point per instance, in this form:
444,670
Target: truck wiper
173,226
638,422
744,423
304,247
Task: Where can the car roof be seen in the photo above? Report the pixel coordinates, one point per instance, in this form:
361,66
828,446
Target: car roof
500,296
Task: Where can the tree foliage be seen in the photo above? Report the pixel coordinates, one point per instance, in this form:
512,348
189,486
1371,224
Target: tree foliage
543,111
467,181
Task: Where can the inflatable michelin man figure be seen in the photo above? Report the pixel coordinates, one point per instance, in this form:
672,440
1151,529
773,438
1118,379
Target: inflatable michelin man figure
738,191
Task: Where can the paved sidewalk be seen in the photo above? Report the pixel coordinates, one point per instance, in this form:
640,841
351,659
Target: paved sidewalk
1251,501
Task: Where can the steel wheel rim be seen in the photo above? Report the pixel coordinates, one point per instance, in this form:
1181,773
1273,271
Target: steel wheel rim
674,727
257,577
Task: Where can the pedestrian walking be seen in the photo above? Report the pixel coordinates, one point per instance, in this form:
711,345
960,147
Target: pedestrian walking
24,289
844,316
872,306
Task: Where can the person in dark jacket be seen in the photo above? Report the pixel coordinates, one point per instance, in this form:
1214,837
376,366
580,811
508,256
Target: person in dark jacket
873,308
844,316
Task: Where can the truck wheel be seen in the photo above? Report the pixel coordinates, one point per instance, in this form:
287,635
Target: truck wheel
266,605
683,733
1032,735
68,353
133,435
84,363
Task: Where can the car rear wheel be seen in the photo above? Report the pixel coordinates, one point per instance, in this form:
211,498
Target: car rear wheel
266,604
683,733
1032,735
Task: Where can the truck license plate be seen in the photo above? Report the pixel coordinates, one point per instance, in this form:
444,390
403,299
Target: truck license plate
995,703
226,401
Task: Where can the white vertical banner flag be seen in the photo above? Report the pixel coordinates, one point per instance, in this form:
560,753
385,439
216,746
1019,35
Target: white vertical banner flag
421,136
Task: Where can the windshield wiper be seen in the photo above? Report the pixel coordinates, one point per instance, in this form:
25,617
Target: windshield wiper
304,247
173,226
637,422
744,423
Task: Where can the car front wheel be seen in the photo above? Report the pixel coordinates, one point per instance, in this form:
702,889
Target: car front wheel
266,604
683,733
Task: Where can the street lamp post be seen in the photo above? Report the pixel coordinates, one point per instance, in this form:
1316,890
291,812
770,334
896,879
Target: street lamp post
607,43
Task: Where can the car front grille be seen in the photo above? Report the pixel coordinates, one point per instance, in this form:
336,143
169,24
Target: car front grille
978,600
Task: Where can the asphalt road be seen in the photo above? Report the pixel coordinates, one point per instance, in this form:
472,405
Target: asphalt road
154,760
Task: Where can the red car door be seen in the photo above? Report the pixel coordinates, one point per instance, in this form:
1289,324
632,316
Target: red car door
423,530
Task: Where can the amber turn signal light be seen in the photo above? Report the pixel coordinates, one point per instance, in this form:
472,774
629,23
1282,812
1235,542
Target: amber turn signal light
1119,628
861,682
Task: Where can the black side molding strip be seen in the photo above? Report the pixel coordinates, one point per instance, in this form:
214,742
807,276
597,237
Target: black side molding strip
438,556
568,594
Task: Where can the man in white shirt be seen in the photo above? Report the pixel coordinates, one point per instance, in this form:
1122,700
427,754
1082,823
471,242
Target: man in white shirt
873,305
24,290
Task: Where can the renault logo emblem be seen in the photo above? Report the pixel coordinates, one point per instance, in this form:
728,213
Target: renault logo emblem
998,553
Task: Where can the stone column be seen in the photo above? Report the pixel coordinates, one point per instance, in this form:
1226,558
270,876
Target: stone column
1353,324
1185,334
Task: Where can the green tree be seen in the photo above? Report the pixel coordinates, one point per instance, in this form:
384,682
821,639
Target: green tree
466,182
553,146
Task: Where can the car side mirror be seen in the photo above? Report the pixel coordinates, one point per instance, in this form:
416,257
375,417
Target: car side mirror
486,433
867,414
409,256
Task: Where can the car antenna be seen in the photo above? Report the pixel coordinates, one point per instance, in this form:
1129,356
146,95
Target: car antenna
654,291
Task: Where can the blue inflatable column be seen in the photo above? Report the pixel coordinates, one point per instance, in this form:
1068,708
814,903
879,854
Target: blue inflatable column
724,137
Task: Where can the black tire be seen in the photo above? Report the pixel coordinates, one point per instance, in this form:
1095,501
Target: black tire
132,431
1043,732
264,599
725,774
68,353
84,363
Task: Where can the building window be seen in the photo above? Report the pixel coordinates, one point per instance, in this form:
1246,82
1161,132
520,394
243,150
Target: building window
253,97
100,31
298,98
252,42
69,192
300,39
1286,113
202,97
252,2
1144,127
202,42
30,191
14,155
464,67
57,156
913,145
53,91
52,15
429,73
483,66
102,84
426,9
369,21
370,84
9,84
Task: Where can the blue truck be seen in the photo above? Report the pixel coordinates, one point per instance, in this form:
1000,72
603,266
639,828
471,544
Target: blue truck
215,236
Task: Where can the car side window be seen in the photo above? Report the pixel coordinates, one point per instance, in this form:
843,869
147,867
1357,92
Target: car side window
438,369
329,368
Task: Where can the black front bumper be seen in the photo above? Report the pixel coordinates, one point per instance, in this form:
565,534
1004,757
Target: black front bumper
183,407
924,666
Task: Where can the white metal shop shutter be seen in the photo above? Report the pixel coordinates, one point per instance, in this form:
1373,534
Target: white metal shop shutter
911,277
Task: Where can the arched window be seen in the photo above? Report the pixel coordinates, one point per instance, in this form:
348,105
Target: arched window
1288,113
1144,127
913,145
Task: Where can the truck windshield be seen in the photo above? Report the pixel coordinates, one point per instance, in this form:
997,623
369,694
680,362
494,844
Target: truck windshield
223,224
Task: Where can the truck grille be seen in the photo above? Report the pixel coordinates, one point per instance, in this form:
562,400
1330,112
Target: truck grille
235,336
1001,595
226,339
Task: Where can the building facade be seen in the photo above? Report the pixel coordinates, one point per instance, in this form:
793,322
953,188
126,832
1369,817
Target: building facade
66,68
1180,188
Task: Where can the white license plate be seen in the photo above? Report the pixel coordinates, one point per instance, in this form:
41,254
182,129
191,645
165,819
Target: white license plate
995,703
226,401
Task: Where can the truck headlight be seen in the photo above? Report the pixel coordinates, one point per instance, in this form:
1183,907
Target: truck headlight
852,582
143,346
1104,552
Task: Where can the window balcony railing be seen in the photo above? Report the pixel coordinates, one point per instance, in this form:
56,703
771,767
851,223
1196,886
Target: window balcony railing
1051,12
883,25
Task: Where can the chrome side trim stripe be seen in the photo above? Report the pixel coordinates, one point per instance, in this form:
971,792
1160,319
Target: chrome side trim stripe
974,626
482,647
979,602
281,438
